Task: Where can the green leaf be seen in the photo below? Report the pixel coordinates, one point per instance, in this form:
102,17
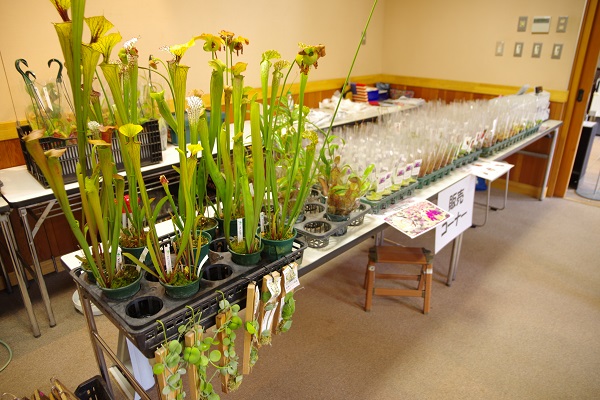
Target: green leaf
215,356
213,396
158,368
174,346
173,380
166,390
250,328
265,297
226,341
269,307
203,361
286,326
235,308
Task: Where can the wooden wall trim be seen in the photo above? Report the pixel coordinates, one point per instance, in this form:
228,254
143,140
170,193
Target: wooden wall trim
558,96
8,129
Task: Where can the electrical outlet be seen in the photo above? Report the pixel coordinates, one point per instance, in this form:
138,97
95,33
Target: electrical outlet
536,51
499,48
518,49
561,26
557,51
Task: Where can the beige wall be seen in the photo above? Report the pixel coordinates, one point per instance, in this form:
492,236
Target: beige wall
453,40
26,32
456,40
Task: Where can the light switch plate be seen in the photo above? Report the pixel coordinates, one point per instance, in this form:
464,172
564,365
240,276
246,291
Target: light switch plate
540,25
561,25
522,25
499,48
518,49
557,51
536,51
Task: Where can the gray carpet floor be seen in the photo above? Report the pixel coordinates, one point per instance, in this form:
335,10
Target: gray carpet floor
521,321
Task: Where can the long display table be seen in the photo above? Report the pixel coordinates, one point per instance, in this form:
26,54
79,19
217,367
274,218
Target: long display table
313,258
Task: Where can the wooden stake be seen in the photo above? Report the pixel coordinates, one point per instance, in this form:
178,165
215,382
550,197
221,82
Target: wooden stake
221,321
248,338
192,371
261,315
276,316
159,356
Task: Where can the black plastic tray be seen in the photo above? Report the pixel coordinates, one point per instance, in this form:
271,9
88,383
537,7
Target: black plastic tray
150,152
317,228
146,333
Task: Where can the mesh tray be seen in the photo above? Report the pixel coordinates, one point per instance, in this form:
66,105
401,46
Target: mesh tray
434,176
467,159
136,316
316,227
150,152
486,151
380,205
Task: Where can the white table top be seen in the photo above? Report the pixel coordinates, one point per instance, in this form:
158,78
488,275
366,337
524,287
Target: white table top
21,188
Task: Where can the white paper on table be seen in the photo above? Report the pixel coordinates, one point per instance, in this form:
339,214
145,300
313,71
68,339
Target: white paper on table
415,216
490,170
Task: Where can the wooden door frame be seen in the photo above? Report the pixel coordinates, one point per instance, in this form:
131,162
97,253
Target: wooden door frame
582,76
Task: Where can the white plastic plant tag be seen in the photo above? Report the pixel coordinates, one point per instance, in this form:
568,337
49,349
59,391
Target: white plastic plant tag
416,168
274,286
256,300
408,171
290,276
168,265
202,262
119,259
380,183
387,183
240,230
400,175
144,255
251,185
262,222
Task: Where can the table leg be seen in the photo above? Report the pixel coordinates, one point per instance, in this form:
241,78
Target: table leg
456,245
12,246
38,275
5,276
100,346
549,164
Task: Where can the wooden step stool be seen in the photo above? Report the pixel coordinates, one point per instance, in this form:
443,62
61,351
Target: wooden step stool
402,256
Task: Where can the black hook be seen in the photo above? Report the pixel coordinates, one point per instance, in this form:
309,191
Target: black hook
60,68
23,74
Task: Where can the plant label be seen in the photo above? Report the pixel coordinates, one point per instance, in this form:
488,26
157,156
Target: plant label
240,230
417,168
262,222
144,254
168,265
399,175
119,258
408,171
388,180
290,276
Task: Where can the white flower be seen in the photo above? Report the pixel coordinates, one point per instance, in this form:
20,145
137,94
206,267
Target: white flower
128,45
195,108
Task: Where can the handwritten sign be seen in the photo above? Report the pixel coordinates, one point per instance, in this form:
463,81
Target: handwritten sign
458,200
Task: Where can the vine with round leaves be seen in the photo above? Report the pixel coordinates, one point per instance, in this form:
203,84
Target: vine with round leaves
228,321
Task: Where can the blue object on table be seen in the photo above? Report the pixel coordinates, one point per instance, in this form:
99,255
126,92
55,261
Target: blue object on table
481,185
